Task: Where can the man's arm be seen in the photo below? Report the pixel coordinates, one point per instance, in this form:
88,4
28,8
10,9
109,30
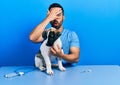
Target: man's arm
36,34
72,57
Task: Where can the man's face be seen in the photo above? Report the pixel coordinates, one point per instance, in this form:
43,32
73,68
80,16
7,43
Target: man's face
58,21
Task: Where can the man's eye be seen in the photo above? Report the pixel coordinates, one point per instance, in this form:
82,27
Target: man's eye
59,14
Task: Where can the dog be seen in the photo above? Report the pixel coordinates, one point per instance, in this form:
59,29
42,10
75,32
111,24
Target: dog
44,58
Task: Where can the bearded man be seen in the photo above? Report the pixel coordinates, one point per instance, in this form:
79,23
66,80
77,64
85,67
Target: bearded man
70,40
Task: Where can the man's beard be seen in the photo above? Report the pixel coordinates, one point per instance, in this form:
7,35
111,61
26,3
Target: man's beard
56,24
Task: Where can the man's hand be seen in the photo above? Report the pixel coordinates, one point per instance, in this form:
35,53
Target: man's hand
56,50
53,14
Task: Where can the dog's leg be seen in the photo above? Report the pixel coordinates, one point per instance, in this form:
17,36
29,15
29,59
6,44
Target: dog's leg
39,63
60,64
48,64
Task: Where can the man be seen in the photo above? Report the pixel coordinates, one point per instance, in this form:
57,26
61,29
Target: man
70,41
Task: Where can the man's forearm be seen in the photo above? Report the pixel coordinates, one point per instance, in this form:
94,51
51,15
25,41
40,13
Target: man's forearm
70,57
37,32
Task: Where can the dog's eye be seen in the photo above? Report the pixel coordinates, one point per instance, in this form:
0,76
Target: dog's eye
52,35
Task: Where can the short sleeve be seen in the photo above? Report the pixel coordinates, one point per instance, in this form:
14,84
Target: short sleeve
74,40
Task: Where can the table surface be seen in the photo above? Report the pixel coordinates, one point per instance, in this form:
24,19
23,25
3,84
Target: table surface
74,75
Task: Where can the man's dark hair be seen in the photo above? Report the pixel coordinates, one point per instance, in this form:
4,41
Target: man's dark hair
56,5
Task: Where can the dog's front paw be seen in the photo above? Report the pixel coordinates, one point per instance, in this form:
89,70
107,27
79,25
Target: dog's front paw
50,72
62,68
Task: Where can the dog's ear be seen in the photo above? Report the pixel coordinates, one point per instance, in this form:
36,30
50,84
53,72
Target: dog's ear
51,40
58,34
44,34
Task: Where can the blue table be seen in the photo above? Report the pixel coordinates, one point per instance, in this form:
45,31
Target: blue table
76,75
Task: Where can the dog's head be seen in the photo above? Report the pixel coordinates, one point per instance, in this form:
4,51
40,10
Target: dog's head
52,37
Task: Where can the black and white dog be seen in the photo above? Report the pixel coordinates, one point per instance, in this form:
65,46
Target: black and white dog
44,58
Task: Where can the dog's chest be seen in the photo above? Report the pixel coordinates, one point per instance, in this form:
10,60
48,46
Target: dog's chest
45,50
58,42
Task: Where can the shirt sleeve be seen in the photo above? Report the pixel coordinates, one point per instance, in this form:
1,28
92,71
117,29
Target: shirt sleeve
74,40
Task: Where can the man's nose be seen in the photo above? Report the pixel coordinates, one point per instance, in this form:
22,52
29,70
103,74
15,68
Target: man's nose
55,20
